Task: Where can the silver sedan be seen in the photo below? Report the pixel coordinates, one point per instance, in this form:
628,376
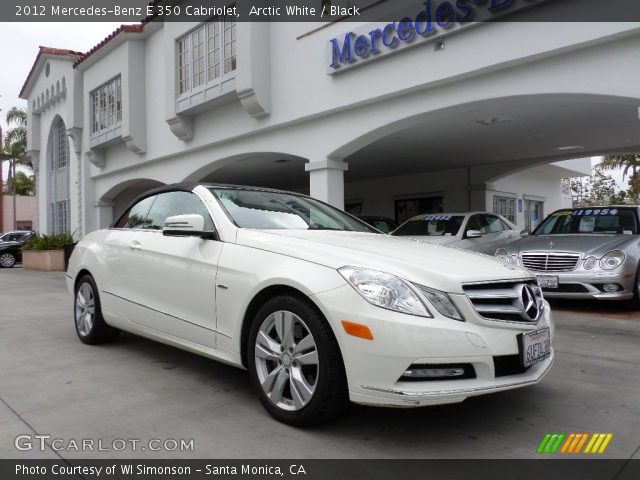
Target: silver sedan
482,232
584,253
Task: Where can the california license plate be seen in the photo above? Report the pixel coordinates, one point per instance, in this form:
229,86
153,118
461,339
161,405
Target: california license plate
536,346
548,281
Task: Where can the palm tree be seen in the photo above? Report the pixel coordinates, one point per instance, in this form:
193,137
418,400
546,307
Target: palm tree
629,163
15,143
15,148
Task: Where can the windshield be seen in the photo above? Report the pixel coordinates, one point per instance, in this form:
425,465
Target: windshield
275,210
589,221
431,225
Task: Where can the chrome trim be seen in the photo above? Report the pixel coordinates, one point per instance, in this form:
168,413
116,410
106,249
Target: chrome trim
545,254
165,313
461,391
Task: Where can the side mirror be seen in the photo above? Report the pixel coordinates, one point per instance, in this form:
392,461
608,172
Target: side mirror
473,234
187,226
524,233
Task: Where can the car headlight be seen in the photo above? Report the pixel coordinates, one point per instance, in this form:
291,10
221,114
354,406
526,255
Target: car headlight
515,259
385,290
502,254
612,259
590,262
442,302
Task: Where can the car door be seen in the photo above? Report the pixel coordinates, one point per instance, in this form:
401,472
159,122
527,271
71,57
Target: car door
119,277
175,276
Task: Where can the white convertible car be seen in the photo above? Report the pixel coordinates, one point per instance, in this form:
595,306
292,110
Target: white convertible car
317,305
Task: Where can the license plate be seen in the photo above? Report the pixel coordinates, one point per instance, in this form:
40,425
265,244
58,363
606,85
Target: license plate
536,346
548,281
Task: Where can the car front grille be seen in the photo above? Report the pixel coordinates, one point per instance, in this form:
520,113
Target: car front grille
511,301
550,262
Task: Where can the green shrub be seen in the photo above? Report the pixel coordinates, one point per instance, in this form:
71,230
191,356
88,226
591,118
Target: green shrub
48,242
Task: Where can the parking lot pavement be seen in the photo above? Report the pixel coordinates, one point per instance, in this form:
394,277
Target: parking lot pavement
50,383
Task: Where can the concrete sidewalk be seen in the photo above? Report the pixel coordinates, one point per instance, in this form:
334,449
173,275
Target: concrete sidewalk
50,383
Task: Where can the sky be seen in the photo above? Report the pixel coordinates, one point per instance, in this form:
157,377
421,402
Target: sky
19,44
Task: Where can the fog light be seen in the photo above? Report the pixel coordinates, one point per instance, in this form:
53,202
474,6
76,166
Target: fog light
434,373
590,262
610,287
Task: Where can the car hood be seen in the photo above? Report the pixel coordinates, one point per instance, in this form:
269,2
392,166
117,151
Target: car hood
438,240
436,266
589,244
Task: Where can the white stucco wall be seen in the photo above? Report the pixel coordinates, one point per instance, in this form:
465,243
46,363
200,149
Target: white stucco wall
291,105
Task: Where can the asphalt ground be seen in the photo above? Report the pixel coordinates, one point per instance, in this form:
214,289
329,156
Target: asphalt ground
136,389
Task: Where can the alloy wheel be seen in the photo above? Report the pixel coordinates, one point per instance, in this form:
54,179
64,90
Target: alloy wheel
286,358
7,260
85,309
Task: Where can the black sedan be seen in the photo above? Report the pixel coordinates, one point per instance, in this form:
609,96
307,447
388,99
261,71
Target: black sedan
11,251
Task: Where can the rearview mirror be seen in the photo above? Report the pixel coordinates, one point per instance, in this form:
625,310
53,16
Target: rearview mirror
186,226
524,233
473,234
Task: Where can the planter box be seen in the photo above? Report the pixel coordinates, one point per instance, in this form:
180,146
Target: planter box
47,260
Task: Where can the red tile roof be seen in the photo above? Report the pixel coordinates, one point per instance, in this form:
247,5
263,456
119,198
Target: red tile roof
137,28
47,51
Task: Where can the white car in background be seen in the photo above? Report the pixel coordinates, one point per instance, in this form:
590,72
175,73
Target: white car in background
482,232
317,305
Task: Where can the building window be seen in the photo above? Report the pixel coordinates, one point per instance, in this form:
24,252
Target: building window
207,54
61,217
61,156
106,106
58,179
505,206
533,214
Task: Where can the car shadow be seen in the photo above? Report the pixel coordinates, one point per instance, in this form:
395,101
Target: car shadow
473,420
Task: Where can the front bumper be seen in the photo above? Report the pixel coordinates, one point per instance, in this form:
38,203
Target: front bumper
374,367
589,284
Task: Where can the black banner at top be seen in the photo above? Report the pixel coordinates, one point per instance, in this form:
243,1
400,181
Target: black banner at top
442,12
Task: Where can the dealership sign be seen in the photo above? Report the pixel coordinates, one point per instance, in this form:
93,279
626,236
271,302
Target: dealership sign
434,20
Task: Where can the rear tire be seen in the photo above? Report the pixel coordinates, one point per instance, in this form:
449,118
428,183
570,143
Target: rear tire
87,314
7,260
295,363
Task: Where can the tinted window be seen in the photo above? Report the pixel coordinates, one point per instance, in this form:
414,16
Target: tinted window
589,221
137,215
176,203
494,224
476,223
431,225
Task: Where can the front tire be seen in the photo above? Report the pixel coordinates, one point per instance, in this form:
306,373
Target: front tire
7,260
87,313
295,363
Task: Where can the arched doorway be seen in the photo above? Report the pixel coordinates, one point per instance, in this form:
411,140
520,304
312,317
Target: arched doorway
58,201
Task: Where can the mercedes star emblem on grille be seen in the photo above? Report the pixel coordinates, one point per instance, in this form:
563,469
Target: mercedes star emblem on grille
529,304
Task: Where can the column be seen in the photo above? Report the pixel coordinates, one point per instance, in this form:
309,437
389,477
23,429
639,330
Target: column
326,181
104,213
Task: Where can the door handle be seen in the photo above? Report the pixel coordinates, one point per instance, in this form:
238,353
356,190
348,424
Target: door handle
135,245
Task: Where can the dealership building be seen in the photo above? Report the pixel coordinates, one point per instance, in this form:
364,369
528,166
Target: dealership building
378,118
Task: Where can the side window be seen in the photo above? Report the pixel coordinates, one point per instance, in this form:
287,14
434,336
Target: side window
136,217
476,223
494,225
177,203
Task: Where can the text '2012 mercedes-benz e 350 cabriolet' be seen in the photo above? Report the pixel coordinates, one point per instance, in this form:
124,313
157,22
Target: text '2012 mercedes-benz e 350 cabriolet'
319,307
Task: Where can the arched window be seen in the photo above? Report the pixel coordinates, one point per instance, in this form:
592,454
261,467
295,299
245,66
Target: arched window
59,207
